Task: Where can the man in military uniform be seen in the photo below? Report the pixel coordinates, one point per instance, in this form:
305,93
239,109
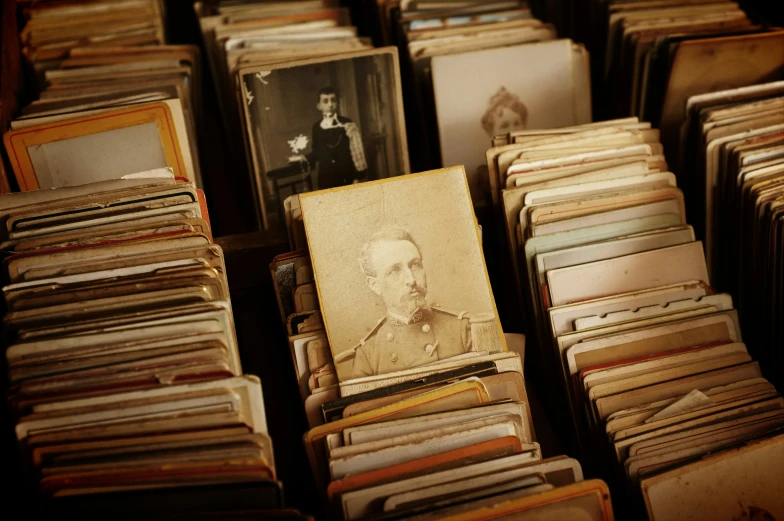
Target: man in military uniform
412,333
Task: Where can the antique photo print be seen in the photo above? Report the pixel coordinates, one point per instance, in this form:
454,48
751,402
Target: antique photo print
498,99
322,123
505,113
400,273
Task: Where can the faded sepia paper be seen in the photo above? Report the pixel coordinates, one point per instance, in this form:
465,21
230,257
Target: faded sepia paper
398,263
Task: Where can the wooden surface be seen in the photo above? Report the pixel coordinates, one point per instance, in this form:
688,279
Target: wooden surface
264,352
11,83
224,169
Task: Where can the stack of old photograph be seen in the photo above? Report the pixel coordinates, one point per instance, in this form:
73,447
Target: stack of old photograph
730,154
478,69
493,259
415,397
94,100
664,397
126,386
52,30
315,105
651,57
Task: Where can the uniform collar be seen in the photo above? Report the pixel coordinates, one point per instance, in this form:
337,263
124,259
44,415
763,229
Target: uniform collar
398,320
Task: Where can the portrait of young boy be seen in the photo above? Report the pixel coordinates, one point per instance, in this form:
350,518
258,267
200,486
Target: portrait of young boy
323,123
337,149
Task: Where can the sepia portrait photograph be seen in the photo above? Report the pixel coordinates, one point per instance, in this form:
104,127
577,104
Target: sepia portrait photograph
400,273
322,123
500,99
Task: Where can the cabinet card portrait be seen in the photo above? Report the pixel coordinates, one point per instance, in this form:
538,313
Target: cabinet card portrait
508,88
321,123
400,273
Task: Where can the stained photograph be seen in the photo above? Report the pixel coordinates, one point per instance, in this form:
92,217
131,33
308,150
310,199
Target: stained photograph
400,273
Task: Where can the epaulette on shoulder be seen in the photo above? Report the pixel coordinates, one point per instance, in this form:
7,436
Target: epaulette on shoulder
348,353
372,331
345,355
460,315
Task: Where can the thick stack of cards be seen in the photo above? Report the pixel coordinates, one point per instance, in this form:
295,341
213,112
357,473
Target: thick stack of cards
661,389
513,72
96,99
655,55
292,276
122,356
96,102
423,413
53,29
314,104
540,167
732,161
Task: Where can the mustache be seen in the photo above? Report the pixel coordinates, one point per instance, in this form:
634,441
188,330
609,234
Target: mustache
416,288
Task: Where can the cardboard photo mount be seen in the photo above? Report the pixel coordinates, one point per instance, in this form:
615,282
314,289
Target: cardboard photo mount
18,142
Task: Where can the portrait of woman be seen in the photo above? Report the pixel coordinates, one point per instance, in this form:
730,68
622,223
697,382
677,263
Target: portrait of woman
505,113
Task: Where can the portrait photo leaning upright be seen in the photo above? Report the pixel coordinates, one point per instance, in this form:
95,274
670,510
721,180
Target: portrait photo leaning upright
321,123
400,274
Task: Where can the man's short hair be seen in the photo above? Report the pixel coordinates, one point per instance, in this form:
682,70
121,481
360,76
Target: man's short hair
325,91
388,233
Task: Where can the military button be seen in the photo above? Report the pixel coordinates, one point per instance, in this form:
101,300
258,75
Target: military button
430,348
426,328
393,358
390,337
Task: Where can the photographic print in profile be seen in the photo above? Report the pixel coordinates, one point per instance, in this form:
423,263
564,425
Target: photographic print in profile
321,123
400,273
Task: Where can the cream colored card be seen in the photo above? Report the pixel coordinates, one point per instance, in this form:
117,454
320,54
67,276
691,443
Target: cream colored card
710,488
401,277
639,271
501,99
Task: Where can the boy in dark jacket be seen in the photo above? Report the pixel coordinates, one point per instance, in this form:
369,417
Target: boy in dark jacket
337,145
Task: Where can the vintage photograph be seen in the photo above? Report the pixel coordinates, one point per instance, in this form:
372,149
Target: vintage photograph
499,99
322,123
400,273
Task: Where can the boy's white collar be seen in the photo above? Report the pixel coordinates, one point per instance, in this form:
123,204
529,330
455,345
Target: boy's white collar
327,122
